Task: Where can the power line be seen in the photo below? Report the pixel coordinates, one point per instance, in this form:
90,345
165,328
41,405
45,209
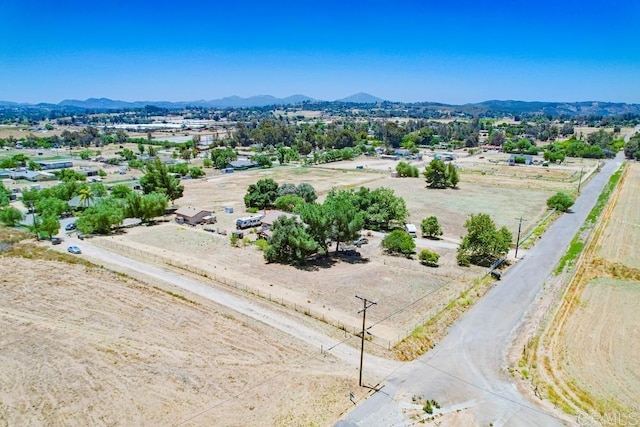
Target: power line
303,361
366,304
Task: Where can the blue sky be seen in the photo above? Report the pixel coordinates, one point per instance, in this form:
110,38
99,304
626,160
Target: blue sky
453,52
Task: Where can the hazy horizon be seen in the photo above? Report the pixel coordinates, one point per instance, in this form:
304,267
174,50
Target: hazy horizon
409,51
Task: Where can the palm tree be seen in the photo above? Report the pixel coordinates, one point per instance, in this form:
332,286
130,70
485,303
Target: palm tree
86,197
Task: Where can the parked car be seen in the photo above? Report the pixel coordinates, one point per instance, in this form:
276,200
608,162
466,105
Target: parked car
74,250
56,240
361,241
70,227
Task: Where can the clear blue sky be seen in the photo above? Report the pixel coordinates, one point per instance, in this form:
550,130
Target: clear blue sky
453,52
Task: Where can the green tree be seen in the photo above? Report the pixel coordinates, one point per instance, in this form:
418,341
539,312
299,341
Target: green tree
452,175
147,206
288,202
399,242
157,179
307,192
51,206
100,218
632,148
196,172
207,163
69,175
428,258
431,227
262,160
290,243
346,219
483,243
49,225
381,208
404,169
120,191
560,201
34,166
221,157
436,174
10,216
319,223
5,195
262,194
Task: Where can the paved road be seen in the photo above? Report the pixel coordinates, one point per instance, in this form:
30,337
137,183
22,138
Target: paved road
468,368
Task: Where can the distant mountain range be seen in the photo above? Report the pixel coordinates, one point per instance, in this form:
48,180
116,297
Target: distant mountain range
227,102
587,108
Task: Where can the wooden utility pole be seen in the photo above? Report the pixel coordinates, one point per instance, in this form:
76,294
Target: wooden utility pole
518,238
366,305
580,180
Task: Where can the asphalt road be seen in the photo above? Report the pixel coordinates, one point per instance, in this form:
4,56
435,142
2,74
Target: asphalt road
467,370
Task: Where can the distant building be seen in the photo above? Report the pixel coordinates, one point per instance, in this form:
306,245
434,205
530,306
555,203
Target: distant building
30,175
194,216
242,164
89,171
56,165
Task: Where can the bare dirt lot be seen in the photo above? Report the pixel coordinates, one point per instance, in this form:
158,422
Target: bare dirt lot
83,346
592,356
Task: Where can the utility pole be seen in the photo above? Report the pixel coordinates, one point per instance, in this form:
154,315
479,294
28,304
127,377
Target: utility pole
366,305
580,180
518,238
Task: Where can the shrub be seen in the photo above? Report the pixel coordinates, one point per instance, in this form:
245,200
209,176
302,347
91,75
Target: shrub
399,241
262,244
428,258
560,201
431,227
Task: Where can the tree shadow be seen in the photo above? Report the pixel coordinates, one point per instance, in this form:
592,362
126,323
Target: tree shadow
317,263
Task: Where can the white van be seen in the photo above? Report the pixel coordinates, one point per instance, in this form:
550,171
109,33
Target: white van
411,230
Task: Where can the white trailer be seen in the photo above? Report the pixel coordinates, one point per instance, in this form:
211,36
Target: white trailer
249,221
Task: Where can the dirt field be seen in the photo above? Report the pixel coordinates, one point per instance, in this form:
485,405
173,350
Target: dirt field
591,357
625,221
602,343
85,346
327,291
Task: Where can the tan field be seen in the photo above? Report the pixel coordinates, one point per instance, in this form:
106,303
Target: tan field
591,357
85,346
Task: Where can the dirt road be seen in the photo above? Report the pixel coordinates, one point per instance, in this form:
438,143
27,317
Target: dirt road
374,365
466,373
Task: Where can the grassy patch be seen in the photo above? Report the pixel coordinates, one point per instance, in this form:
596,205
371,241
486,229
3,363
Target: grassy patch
604,196
577,244
575,248
33,251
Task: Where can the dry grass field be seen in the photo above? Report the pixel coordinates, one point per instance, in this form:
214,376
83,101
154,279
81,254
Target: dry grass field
327,290
84,346
590,358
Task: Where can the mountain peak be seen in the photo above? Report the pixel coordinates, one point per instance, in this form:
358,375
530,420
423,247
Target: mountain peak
362,98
